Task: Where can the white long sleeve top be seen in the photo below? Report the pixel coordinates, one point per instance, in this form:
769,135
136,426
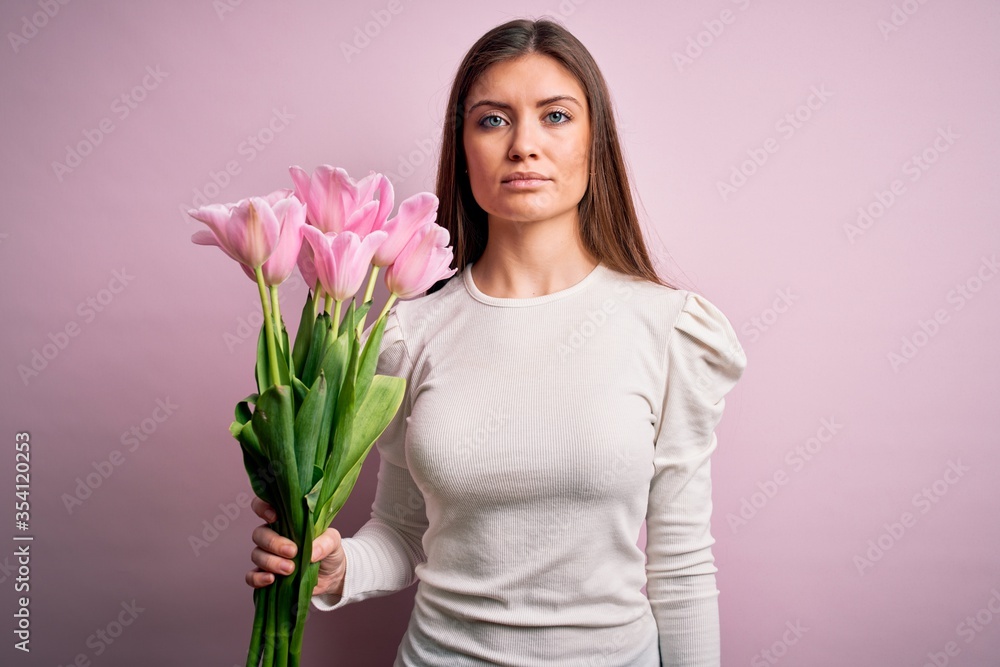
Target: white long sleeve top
535,436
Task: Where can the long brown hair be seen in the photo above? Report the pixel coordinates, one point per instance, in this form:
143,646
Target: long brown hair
609,227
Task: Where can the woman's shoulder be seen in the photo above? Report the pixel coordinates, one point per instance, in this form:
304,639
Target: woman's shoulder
414,319
681,317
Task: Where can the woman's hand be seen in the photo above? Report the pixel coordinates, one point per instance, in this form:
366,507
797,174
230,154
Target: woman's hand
273,553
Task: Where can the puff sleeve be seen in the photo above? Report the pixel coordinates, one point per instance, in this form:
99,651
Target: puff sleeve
383,554
704,362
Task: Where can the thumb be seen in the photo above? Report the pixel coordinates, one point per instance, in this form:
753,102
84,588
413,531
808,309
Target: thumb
325,544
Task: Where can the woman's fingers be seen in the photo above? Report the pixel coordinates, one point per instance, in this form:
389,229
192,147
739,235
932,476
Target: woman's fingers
267,561
263,510
258,578
269,540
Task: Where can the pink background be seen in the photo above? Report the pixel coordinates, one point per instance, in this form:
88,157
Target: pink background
819,310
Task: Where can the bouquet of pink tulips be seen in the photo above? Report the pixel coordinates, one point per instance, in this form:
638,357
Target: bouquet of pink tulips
319,405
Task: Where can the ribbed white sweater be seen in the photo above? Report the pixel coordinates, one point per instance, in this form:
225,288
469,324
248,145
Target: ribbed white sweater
535,436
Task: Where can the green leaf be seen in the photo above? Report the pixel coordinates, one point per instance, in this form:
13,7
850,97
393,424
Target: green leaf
274,424
247,438
374,414
256,464
349,320
259,483
307,427
261,369
284,358
317,483
321,327
371,419
334,366
336,502
343,415
300,391
369,357
243,412
303,337
361,312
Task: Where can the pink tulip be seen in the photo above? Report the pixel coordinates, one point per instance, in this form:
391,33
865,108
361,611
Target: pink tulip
247,231
342,260
414,213
307,267
337,203
291,213
424,260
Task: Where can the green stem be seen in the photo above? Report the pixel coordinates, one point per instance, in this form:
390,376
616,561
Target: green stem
286,584
272,614
316,289
260,596
368,297
335,317
388,304
276,316
308,574
371,285
272,354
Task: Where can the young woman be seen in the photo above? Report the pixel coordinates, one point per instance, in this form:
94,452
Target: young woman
558,394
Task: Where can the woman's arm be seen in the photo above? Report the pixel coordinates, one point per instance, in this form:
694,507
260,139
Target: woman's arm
383,553
704,362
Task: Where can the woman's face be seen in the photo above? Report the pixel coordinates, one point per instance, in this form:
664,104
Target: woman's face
527,115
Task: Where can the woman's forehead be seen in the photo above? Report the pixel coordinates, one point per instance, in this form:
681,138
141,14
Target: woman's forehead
534,81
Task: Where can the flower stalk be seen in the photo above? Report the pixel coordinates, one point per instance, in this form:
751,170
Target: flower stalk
272,354
320,405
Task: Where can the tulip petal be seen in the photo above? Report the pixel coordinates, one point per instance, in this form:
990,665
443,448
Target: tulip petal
253,230
279,265
414,212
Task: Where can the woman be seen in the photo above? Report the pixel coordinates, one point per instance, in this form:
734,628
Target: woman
558,394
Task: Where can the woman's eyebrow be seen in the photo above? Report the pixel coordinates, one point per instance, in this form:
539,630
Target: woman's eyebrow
541,103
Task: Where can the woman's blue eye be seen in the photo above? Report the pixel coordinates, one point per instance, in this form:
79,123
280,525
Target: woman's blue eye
563,118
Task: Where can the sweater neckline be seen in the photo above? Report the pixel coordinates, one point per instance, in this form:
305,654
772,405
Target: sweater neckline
511,302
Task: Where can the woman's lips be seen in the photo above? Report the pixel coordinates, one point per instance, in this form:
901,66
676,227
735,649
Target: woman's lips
525,183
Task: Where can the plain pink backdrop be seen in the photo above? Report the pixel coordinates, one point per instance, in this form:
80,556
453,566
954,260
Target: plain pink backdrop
809,111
